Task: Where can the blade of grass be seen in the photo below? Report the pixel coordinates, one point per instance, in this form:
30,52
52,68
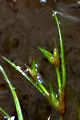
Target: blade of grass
17,104
4,113
62,51
34,68
47,54
53,98
43,89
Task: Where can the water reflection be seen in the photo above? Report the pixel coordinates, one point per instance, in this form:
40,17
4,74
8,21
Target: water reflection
78,2
69,11
70,17
42,0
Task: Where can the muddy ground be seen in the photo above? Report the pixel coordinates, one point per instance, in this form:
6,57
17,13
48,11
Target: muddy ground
25,25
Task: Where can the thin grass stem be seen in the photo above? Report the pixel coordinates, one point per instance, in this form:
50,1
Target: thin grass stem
62,52
3,112
17,104
43,88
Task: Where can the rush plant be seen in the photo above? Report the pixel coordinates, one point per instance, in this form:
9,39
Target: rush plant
33,77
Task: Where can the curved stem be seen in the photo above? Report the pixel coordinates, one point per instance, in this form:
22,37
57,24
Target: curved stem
62,52
16,101
44,90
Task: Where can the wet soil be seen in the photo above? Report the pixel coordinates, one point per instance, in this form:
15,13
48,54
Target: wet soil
25,25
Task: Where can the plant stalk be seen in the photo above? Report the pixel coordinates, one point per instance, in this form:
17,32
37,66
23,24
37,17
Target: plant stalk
62,52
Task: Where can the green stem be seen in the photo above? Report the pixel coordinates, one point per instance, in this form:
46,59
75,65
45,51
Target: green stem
43,89
17,104
62,52
59,79
4,113
33,82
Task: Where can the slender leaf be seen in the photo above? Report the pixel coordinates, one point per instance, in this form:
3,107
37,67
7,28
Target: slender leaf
17,104
4,113
62,51
43,89
53,96
34,67
47,54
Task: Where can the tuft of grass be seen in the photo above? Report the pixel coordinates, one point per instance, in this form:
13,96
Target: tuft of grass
58,101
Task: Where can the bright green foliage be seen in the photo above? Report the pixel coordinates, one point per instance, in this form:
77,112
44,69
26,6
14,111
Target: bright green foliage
52,58
47,54
34,67
53,96
17,104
